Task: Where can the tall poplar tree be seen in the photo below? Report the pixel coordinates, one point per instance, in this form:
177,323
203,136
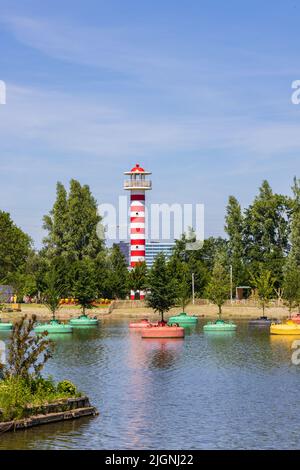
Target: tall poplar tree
234,228
295,224
72,224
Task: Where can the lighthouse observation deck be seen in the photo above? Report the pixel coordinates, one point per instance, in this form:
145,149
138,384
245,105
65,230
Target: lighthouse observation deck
137,179
137,184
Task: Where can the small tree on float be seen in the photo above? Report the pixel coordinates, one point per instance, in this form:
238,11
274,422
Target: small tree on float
53,292
84,283
184,286
162,296
264,285
291,285
218,288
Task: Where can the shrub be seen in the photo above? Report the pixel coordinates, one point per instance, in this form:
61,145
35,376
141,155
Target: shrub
66,387
41,386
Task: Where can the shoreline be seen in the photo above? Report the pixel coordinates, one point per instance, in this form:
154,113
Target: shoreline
134,310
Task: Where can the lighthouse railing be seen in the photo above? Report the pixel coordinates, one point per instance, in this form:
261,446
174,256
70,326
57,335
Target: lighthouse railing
137,184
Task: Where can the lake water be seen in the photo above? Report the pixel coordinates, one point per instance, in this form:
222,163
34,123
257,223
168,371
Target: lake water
225,391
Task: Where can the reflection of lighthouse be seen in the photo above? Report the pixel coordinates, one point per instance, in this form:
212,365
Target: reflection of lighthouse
137,185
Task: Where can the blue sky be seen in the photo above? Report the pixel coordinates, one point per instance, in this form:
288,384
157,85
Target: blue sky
199,92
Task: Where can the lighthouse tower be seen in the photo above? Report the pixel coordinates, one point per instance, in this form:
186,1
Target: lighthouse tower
137,184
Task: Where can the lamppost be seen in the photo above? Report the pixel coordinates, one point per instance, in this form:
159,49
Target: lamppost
193,287
231,284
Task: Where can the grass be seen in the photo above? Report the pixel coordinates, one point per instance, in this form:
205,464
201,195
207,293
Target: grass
17,395
35,306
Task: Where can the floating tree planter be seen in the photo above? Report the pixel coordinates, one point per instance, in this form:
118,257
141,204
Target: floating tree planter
220,326
262,321
54,326
163,331
83,320
288,328
5,326
296,318
142,323
183,320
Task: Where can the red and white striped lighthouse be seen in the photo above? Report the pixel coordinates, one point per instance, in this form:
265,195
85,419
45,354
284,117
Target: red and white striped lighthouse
137,185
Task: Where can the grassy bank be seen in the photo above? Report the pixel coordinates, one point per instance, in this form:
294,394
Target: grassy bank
138,309
20,398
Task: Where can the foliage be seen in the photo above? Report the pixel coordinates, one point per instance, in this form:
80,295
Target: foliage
67,387
27,352
17,395
84,287
267,231
72,224
184,286
218,288
162,285
295,224
291,285
234,228
118,274
264,283
53,292
15,246
138,277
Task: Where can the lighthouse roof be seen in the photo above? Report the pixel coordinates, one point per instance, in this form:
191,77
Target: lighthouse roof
137,170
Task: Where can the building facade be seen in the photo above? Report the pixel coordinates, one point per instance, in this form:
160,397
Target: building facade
153,248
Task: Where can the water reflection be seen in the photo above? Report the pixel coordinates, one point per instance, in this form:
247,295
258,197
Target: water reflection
160,393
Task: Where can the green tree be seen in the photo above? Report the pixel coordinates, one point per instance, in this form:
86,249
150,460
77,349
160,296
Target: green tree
84,286
291,284
118,274
295,224
56,224
53,291
264,283
162,285
138,277
198,261
102,275
72,224
218,288
234,228
22,284
184,287
15,247
267,231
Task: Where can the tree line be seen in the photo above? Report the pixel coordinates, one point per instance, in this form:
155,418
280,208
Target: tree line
262,247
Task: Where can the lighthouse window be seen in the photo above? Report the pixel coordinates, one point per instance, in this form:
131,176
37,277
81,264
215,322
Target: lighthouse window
136,213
